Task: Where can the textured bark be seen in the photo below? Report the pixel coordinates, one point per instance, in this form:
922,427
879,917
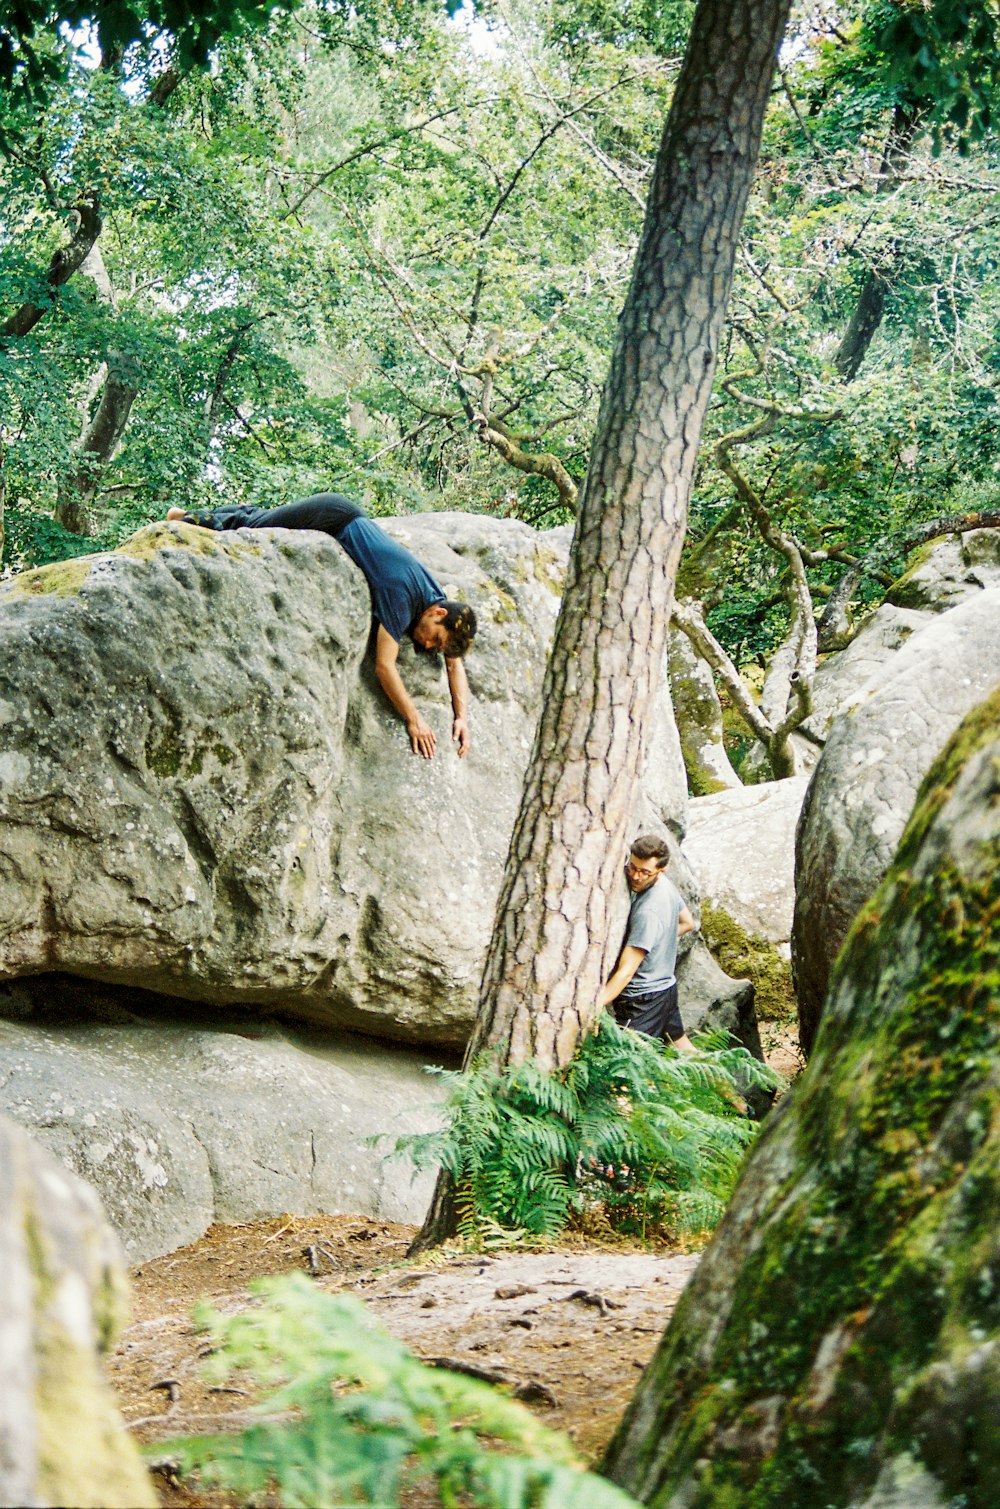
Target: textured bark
551,943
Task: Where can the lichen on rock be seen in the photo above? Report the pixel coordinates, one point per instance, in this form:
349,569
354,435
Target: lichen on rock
62,1305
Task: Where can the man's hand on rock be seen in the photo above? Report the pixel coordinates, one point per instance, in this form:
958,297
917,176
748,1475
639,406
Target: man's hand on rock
460,732
422,738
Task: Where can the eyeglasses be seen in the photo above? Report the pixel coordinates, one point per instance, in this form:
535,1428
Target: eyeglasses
639,871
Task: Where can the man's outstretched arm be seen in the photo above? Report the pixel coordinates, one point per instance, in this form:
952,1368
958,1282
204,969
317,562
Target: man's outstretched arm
458,685
422,739
626,967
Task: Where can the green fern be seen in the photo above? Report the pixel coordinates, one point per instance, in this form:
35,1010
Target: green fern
651,1136
353,1418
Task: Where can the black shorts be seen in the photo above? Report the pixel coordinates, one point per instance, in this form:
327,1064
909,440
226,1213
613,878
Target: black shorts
656,1014
327,512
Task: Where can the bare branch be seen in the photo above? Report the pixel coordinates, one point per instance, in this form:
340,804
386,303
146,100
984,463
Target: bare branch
687,617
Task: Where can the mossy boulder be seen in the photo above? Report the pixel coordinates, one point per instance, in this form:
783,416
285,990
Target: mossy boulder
862,791
744,956
698,713
62,1299
947,571
840,1343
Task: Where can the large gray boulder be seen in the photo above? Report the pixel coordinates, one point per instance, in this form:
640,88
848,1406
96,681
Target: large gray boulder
840,1341
62,1304
948,571
204,793
863,789
740,845
941,575
177,1125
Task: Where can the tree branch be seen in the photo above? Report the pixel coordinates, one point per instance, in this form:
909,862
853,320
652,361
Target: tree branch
536,464
62,266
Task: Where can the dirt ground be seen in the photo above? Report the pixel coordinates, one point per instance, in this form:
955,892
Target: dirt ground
568,1329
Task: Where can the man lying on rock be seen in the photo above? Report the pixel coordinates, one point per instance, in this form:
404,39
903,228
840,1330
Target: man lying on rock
405,599
643,985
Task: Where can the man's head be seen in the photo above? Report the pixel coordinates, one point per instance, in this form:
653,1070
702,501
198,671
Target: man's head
448,627
647,860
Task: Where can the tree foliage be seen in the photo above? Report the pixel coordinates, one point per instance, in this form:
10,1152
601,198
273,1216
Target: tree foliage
375,250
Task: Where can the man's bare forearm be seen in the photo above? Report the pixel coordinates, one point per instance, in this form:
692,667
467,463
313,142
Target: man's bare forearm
624,971
458,685
394,687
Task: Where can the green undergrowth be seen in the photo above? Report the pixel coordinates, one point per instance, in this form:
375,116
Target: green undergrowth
632,1136
351,1417
747,958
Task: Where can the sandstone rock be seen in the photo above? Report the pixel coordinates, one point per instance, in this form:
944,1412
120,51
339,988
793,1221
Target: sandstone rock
840,676
62,1441
663,798
943,573
863,788
840,1341
177,1126
741,846
699,718
948,571
204,793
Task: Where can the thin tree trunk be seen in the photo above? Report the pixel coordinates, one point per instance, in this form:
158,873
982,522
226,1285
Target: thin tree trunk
98,443
867,313
551,945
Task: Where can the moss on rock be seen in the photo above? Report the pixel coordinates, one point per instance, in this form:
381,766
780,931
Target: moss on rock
60,579
549,569
62,1307
844,1330
749,958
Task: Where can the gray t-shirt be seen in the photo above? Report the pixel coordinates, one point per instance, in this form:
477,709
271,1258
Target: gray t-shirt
652,926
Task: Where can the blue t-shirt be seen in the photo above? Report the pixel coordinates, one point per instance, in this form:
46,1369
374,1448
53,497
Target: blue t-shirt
652,926
401,588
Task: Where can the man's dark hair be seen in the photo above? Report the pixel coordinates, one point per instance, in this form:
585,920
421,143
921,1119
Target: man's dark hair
460,621
648,846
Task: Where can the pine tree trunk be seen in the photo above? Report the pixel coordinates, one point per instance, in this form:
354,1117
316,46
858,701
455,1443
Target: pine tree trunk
551,945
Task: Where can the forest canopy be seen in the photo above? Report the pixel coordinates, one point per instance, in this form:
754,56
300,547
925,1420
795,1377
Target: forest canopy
383,249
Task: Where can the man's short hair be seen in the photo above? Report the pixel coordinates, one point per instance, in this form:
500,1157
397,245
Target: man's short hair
648,846
460,621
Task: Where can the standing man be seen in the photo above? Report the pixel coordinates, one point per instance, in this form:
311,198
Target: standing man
643,984
405,599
